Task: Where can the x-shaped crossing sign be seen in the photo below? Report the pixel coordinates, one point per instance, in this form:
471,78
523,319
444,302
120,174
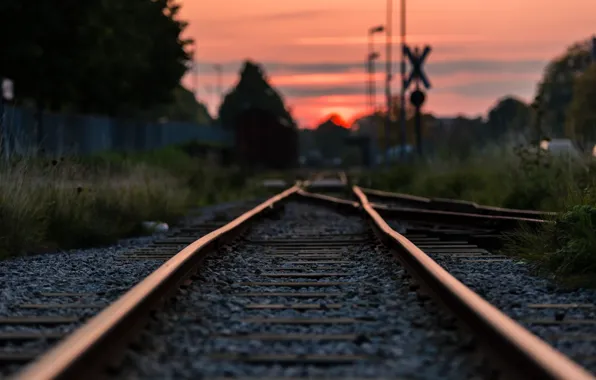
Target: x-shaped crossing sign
417,61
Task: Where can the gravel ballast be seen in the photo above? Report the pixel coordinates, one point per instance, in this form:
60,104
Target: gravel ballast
402,335
536,303
97,276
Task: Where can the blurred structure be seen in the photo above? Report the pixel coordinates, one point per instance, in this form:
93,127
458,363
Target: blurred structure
263,140
266,135
62,134
561,147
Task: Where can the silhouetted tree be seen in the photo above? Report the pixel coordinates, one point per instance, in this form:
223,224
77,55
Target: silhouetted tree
183,107
107,56
581,116
253,90
508,115
556,87
330,137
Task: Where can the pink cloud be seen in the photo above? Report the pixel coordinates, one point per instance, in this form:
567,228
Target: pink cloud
314,31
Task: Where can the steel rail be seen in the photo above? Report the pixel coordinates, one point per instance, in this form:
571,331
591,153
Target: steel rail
452,217
522,353
406,198
439,216
457,205
88,350
329,199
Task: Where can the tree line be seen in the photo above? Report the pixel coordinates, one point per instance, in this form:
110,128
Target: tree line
564,106
109,57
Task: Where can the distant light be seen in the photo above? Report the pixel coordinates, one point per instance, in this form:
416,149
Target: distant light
7,89
544,144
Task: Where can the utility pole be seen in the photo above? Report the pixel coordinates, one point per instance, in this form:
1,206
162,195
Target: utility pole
195,75
218,69
373,87
367,81
402,100
388,46
372,55
369,78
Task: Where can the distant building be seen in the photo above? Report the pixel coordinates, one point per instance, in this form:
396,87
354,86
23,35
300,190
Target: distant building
394,153
560,147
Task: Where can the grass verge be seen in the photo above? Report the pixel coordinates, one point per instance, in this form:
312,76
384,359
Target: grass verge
83,202
564,250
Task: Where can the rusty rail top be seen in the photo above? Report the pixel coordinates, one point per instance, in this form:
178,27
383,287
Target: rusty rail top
73,358
328,198
475,218
523,352
399,196
85,352
457,205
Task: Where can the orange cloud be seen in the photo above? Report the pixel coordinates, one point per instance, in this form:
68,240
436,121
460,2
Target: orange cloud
380,39
314,31
359,79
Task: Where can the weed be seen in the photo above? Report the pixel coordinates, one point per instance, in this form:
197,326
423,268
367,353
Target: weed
75,202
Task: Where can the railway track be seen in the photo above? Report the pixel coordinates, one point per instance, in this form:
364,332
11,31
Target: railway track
46,298
308,290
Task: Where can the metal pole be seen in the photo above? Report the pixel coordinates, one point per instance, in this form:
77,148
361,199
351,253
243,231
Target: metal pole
218,69
372,56
367,82
369,71
402,101
195,75
388,45
373,86
366,85
418,125
3,131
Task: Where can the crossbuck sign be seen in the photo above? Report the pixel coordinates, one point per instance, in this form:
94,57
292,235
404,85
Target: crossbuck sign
417,61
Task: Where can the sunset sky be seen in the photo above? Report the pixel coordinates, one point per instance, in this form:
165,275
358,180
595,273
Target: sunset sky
314,50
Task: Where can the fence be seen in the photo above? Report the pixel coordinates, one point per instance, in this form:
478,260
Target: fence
76,134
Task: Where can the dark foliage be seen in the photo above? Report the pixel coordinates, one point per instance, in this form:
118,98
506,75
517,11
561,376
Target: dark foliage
112,57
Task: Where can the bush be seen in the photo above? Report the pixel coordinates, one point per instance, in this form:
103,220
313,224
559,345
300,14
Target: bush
564,250
523,178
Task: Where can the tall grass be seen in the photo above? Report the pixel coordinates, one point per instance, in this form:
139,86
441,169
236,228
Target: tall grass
523,179
81,202
518,178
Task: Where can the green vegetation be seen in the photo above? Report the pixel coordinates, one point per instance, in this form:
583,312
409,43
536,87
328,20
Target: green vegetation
518,178
108,57
253,91
521,179
474,159
565,250
82,202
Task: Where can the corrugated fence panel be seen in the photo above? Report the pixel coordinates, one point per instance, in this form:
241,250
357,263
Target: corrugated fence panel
76,134
20,130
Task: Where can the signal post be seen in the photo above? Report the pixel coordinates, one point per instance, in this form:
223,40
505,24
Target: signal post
417,97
